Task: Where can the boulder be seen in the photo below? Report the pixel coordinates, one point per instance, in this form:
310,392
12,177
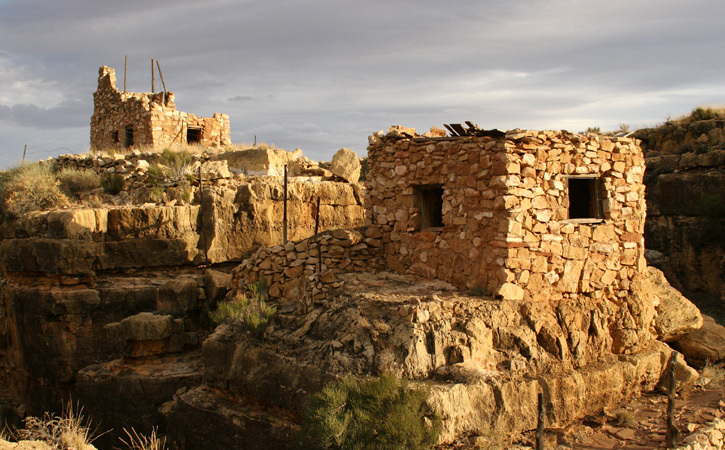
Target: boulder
215,170
346,165
705,344
676,315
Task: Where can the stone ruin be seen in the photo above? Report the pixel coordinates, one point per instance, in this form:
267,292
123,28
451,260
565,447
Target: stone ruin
527,215
130,119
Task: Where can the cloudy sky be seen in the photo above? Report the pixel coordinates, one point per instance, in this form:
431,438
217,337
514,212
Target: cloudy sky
325,74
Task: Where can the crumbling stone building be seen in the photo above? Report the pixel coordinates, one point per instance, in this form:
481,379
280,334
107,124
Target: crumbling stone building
525,215
130,119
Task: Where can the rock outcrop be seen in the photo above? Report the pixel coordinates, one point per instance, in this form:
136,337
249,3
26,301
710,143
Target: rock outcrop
686,202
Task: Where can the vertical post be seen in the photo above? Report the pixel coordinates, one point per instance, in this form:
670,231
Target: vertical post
125,69
25,150
153,76
201,212
255,141
284,202
671,435
317,216
540,424
161,75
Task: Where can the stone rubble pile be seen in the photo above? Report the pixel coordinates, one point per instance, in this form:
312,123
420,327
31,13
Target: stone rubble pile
309,268
709,438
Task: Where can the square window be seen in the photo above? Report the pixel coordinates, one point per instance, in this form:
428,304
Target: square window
429,201
193,135
585,198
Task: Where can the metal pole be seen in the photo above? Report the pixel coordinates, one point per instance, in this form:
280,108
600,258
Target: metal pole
672,432
25,151
317,216
201,212
153,77
284,202
540,424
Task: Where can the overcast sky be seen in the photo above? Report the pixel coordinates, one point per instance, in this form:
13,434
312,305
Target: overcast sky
325,74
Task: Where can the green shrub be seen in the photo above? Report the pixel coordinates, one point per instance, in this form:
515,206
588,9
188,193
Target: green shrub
254,314
30,187
705,113
76,181
155,176
175,160
113,183
378,413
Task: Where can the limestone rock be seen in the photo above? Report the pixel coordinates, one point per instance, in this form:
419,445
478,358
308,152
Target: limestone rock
676,315
705,344
217,284
215,170
27,445
346,165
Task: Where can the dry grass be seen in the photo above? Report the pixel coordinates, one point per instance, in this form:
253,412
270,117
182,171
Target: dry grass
31,187
71,430
76,181
135,441
712,376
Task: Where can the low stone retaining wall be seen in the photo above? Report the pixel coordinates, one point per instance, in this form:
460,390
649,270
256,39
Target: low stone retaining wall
308,267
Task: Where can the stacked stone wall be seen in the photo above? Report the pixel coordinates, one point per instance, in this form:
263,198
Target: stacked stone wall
505,211
307,269
153,117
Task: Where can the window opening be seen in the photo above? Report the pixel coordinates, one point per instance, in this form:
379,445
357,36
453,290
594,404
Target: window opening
585,198
429,200
128,142
193,135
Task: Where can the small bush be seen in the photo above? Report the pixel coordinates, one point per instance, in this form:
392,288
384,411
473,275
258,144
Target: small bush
71,430
76,181
705,113
30,187
155,176
113,183
255,315
378,413
595,130
175,160
624,418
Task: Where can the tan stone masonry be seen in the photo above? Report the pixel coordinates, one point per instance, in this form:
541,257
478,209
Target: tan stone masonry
306,269
504,206
129,119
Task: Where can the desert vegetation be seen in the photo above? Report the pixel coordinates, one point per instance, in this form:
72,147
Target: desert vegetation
382,412
252,312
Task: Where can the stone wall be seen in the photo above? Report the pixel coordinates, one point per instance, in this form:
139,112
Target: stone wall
306,270
505,205
129,119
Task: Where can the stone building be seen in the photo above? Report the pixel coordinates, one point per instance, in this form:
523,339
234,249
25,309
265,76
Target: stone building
525,215
130,119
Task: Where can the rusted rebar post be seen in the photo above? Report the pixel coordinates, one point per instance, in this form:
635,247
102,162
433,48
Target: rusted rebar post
284,213
540,424
317,216
153,76
672,432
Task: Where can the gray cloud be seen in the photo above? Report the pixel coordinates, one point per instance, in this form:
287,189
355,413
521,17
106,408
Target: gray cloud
322,74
